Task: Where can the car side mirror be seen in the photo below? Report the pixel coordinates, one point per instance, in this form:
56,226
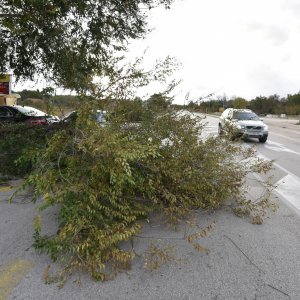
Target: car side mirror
261,119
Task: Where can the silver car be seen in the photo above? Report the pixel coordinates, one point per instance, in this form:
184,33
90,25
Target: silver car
243,123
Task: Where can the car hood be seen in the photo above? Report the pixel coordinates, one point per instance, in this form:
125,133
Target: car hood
30,111
250,122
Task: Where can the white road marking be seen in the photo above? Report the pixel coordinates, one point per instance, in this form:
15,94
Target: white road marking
285,137
278,166
279,148
289,188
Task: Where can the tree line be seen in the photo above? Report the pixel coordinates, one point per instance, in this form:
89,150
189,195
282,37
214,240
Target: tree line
273,104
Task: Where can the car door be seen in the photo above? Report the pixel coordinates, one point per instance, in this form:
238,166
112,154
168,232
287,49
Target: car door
18,116
228,120
224,117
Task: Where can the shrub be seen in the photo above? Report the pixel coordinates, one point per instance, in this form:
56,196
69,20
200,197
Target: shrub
19,140
105,179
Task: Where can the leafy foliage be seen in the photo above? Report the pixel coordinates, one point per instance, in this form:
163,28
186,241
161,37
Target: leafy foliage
105,179
159,102
155,257
240,103
68,41
17,142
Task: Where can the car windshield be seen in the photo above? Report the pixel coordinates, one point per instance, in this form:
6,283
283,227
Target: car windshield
245,116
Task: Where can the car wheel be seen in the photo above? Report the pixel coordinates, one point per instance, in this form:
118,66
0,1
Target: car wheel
263,139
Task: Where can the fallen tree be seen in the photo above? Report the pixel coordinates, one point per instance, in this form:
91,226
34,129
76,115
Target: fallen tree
105,180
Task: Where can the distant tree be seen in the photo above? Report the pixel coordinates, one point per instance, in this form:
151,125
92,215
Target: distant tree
159,102
240,103
265,105
292,104
177,106
293,99
223,100
258,104
192,105
131,110
25,94
210,106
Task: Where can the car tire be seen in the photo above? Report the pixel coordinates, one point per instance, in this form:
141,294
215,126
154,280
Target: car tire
263,139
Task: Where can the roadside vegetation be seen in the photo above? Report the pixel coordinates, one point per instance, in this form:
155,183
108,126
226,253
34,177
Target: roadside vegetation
148,157
107,180
274,104
47,101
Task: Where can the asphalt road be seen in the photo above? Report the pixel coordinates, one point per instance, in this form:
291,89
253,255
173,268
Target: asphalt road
283,147
244,261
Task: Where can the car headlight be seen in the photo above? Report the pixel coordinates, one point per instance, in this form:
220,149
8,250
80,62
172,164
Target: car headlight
266,127
239,126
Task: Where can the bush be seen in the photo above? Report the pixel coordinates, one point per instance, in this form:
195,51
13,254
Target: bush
104,179
17,141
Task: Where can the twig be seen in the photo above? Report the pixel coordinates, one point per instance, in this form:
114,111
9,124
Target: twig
9,15
58,165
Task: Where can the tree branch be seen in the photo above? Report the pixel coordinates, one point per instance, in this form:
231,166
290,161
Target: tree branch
9,15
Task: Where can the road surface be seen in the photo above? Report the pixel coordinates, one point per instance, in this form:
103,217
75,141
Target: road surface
244,261
283,147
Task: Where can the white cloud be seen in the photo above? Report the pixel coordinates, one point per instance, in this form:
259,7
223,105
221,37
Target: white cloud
292,6
277,35
244,48
237,47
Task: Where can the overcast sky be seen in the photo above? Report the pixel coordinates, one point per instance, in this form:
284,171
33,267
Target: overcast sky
240,48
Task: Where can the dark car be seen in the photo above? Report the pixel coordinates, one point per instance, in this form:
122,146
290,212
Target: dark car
25,114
